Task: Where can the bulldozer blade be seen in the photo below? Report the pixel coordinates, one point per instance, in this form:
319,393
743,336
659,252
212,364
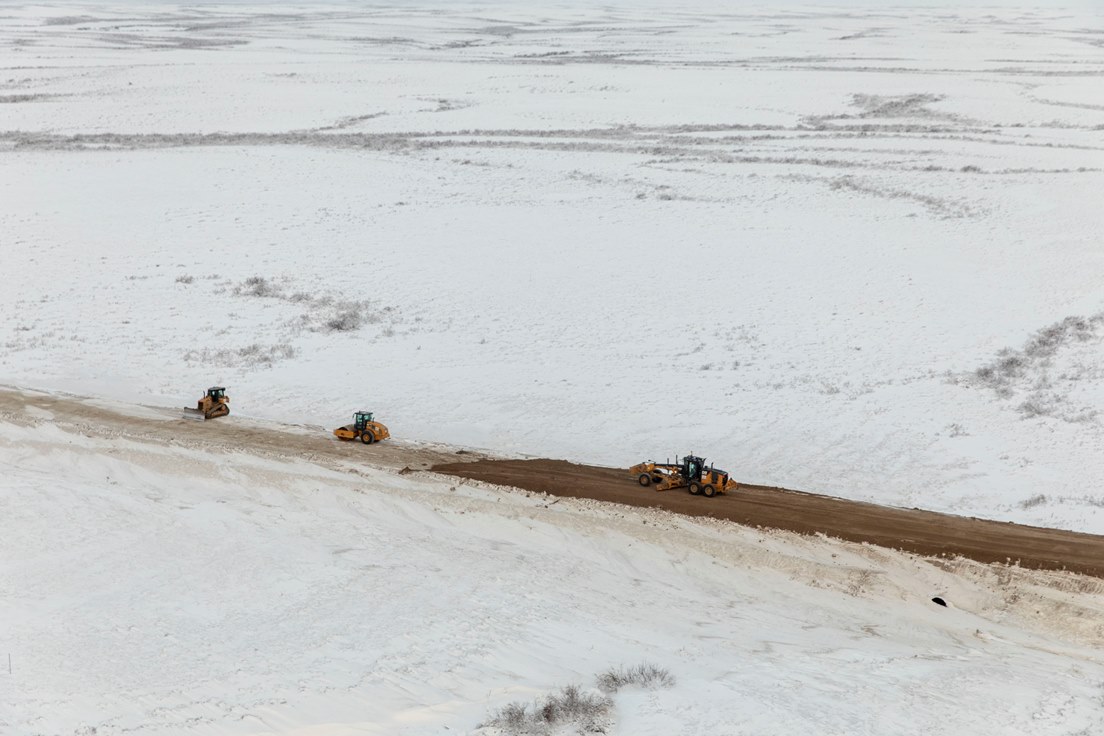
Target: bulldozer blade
194,415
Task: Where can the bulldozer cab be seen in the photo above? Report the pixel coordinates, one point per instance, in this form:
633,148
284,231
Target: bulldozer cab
361,419
692,467
215,393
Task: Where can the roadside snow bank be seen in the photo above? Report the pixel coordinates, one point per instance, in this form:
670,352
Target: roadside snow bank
162,590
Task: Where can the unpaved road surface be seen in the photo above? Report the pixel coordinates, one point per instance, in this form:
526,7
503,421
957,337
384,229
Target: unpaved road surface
922,532
227,435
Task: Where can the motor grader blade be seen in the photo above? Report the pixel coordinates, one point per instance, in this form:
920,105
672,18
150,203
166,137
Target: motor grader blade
660,475
670,482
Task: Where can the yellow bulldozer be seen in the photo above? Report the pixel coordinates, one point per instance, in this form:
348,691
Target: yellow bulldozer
364,428
215,404
690,472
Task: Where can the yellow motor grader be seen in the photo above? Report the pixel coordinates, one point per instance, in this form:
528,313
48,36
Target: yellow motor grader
690,472
215,404
363,428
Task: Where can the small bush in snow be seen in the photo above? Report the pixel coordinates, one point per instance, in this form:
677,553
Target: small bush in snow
250,356
644,675
185,279
571,705
1037,500
345,320
584,712
257,286
513,718
1033,408
256,353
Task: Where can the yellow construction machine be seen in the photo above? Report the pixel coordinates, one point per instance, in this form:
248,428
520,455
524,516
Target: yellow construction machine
363,428
215,404
690,472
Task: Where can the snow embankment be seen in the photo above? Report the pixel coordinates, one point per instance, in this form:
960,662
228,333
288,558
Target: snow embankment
157,589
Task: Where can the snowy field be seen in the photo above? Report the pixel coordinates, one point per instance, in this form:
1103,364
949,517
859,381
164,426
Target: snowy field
853,251
826,248
170,590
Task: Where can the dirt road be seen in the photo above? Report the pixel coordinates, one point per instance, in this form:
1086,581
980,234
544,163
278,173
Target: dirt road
163,425
923,532
917,531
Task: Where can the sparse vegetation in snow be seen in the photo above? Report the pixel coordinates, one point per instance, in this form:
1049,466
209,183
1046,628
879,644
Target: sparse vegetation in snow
321,313
572,709
254,355
645,675
1044,375
584,712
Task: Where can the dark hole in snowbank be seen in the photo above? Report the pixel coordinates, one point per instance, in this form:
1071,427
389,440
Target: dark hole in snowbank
939,601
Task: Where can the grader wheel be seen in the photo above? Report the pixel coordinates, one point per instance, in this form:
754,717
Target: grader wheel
644,480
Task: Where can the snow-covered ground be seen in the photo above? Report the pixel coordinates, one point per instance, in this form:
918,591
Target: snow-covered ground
846,250
166,590
786,239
